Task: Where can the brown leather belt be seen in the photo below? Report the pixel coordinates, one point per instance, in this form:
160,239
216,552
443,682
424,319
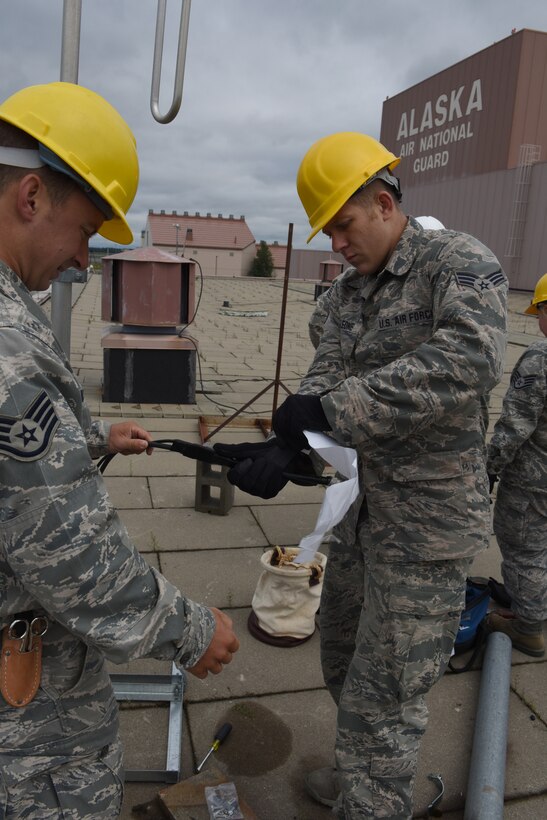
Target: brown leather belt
21,659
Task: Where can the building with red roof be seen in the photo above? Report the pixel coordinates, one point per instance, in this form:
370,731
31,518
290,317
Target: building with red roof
223,246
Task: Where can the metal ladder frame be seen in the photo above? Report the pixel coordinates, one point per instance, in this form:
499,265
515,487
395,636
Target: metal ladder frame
152,688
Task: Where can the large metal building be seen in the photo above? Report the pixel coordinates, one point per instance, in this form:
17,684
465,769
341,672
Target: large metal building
473,143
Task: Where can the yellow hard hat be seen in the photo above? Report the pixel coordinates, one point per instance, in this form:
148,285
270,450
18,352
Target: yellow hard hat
82,135
540,295
334,168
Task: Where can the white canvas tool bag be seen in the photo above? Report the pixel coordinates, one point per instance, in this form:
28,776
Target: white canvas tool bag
286,598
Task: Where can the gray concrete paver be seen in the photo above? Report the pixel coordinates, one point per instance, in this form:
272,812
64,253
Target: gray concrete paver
286,525
186,529
129,493
259,669
225,578
269,749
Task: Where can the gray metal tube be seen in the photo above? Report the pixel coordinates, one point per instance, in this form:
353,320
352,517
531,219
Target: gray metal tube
158,57
486,782
70,45
61,292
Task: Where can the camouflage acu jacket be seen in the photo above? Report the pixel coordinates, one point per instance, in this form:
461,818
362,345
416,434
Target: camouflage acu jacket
63,548
518,448
403,363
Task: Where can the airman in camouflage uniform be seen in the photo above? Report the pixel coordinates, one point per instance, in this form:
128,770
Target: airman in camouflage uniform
64,552
517,453
401,366
415,337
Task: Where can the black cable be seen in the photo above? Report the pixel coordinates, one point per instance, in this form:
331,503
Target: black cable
181,331
202,452
193,341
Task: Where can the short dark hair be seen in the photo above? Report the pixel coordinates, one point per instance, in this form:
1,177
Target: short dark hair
366,195
59,186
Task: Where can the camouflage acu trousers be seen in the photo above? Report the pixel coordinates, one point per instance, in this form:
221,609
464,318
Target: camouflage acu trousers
387,632
86,788
520,525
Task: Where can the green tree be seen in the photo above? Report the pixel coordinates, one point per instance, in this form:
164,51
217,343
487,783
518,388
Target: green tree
263,264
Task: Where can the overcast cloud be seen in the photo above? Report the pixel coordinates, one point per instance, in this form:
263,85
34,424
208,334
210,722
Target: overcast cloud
264,79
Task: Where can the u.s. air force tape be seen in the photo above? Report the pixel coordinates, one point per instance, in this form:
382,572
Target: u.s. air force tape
28,437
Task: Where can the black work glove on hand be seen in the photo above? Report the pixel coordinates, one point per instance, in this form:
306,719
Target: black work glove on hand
260,466
298,413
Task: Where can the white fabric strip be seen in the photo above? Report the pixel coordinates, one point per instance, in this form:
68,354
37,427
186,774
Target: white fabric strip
20,157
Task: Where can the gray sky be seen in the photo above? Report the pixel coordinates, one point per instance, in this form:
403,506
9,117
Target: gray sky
264,79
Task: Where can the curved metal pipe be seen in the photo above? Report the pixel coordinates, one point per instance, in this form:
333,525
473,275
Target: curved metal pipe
158,57
486,783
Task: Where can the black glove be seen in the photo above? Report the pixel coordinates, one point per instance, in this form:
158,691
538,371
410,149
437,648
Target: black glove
298,413
492,478
260,466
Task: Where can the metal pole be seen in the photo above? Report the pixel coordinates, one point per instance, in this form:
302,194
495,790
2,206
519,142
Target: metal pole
158,56
486,782
282,320
61,292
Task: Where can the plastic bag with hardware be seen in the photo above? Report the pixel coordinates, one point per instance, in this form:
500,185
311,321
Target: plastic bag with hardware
222,802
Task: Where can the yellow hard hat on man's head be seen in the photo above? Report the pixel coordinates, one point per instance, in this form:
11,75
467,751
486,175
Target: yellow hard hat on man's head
334,168
80,134
540,295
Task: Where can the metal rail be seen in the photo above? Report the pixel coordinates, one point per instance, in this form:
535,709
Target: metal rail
485,787
158,58
61,291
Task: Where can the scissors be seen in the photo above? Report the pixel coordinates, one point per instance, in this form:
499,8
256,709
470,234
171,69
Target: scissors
26,631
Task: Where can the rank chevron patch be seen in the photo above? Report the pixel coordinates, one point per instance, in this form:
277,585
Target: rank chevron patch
28,437
519,382
479,283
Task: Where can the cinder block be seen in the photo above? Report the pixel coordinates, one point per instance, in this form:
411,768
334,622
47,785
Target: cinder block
214,493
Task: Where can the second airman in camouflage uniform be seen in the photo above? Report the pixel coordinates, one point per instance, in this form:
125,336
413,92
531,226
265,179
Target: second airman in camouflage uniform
517,454
415,338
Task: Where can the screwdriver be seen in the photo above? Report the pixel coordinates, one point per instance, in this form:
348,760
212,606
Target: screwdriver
220,735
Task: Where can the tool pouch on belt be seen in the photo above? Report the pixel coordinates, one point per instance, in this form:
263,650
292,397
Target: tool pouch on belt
286,598
20,672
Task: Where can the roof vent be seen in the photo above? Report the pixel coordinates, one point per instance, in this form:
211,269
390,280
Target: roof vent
174,213
150,210
208,214
242,217
231,216
220,216
162,211
197,213
185,213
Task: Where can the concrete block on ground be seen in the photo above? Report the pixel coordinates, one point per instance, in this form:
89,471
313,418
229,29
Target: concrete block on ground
221,578
286,525
186,529
128,493
260,669
274,741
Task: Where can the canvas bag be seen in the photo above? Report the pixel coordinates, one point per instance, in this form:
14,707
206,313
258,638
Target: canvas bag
286,598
